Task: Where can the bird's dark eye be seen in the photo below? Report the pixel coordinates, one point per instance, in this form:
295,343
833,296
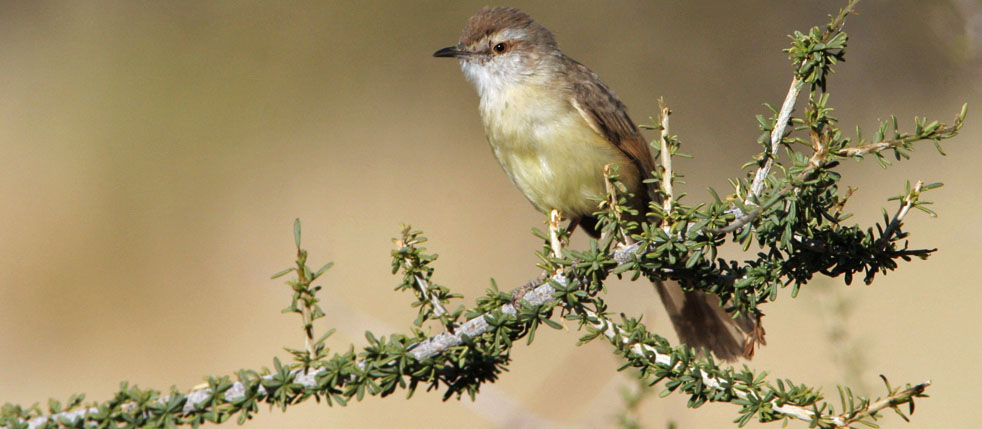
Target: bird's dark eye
500,48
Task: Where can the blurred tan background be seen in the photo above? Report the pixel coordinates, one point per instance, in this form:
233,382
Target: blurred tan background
153,156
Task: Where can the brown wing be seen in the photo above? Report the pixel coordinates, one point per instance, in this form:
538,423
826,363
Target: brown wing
608,116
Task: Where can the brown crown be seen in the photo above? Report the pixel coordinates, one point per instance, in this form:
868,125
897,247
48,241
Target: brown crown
488,21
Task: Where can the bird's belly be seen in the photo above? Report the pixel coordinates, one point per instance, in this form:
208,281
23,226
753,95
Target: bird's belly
559,164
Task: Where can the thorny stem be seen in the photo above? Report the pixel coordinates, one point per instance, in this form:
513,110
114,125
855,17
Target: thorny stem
666,163
891,401
554,219
777,134
424,288
880,146
817,160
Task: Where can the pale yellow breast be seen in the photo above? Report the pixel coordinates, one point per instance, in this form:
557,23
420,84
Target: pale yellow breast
549,151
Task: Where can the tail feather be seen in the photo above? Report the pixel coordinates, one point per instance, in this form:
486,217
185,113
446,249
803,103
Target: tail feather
701,322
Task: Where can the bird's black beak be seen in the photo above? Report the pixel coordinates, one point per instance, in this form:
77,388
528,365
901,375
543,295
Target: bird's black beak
448,52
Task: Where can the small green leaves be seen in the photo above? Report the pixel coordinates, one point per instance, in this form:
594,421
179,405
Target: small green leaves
431,298
889,138
814,54
305,303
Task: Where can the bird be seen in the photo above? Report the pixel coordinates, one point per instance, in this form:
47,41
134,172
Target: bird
553,125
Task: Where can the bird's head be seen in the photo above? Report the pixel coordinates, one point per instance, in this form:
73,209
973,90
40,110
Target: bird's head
500,47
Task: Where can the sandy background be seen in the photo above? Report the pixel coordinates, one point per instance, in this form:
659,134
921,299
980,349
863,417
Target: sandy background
153,157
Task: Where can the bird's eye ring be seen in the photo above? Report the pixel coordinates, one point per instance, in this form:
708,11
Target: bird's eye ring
500,48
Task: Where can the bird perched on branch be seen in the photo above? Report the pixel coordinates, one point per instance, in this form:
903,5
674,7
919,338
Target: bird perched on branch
554,125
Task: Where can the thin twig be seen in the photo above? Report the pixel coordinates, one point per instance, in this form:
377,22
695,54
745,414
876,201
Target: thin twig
666,164
614,333
909,200
306,310
424,288
757,187
421,284
882,145
777,134
611,203
893,400
554,219
814,163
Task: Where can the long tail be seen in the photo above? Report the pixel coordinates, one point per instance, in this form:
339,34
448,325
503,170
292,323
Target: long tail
700,322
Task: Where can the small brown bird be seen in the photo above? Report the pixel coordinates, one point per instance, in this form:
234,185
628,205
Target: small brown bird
553,125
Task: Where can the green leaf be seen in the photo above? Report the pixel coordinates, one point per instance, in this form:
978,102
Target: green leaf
296,232
326,267
282,273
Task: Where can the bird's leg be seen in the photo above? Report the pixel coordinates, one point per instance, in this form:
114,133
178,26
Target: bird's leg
571,227
557,247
